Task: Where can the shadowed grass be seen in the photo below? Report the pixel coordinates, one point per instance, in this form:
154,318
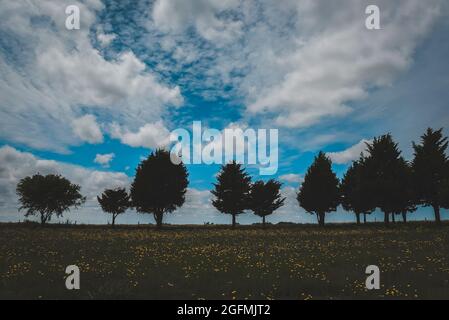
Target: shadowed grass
216,262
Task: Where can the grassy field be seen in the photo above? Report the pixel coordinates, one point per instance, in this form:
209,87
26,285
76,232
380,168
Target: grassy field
211,262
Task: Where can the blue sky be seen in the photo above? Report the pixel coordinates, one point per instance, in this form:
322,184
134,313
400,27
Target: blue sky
136,70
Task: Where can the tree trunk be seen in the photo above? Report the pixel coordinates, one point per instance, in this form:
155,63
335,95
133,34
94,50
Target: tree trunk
43,219
436,209
364,218
357,217
404,217
158,217
386,217
233,220
321,216
113,220
393,217
263,221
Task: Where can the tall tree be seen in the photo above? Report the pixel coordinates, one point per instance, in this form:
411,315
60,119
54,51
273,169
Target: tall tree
115,202
383,174
232,190
319,193
354,191
430,170
48,195
159,186
265,198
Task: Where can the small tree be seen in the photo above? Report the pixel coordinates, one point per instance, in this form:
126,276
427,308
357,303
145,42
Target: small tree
159,186
232,190
48,195
319,193
115,202
265,198
354,192
430,171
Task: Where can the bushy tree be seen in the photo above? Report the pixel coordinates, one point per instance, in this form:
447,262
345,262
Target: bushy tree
115,202
159,186
232,190
430,170
354,192
319,193
48,195
265,198
384,166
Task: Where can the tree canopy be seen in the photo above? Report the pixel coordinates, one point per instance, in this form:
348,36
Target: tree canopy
114,201
319,193
48,195
159,186
430,169
265,198
232,190
354,192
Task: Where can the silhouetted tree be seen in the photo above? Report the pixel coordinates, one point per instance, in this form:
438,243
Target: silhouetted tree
319,193
265,198
232,190
159,186
383,174
430,171
355,196
115,202
48,195
405,201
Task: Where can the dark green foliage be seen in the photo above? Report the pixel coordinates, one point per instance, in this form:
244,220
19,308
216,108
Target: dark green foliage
265,198
354,191
159,186
232,190
319,193
384,174
430,169
115,202
48,195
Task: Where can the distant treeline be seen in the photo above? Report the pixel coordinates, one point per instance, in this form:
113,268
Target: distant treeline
381,178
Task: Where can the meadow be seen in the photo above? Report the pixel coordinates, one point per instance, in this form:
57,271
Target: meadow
217,262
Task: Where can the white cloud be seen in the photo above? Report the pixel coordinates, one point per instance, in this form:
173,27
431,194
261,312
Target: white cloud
332,59
15,165
105,39
87,129
104,159
151,135
292,178
350,154
204,15
298,64
50,75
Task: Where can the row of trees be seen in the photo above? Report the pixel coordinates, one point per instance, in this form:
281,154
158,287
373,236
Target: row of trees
380,179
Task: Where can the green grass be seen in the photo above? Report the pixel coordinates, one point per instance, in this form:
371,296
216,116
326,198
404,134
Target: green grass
212,262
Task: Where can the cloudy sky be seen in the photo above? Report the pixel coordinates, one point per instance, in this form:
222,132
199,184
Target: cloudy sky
90,103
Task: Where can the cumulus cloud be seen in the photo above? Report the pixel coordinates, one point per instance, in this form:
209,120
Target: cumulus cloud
104,159
205,16
291,178
151,135
350,154
51,75
15,165
334,60
298,64
87,129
